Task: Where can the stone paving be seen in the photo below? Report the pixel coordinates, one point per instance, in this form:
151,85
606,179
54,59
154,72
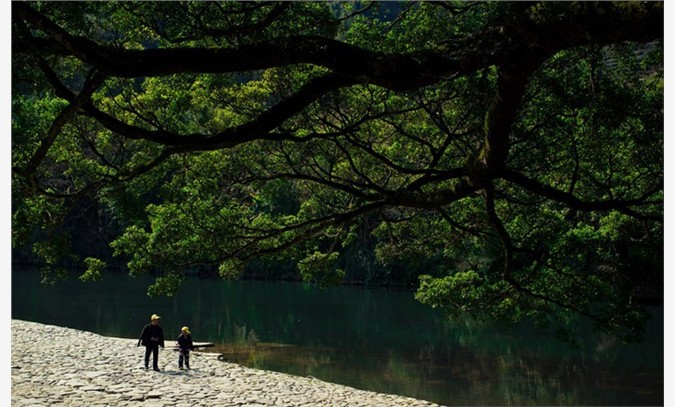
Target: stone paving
60,366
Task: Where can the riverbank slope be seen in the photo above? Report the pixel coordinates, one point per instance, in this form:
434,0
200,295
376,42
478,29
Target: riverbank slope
56,365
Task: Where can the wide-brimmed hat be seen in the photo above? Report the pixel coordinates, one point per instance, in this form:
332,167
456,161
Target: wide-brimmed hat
185,329
154,317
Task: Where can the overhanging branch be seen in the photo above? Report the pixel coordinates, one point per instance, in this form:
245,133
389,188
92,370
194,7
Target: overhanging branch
574,202
502,46
260,128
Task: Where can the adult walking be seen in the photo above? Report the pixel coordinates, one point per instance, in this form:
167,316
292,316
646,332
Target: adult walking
152,338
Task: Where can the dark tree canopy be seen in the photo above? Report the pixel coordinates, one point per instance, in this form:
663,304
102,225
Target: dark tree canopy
506,155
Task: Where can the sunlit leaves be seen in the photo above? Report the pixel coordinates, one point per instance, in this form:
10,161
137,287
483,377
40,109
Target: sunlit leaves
94,270
469,293
133,237
320,268
31,118
51,252
231,269
319,170
167,285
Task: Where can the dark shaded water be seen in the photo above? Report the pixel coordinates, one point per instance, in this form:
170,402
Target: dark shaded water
376,340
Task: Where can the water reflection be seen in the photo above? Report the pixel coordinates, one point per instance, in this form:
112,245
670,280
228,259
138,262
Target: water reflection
370,339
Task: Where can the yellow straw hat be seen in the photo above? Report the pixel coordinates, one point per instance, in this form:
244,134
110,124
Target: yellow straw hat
154,317
185,329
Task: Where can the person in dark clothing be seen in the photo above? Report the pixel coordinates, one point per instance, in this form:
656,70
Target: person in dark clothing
152,338
185,346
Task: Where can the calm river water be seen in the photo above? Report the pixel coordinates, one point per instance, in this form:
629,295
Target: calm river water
372,339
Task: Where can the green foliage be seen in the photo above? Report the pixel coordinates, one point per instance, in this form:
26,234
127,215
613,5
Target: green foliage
133,236
94,271
319,268
367,165
166,285
459,292
50,276
231,269
51,251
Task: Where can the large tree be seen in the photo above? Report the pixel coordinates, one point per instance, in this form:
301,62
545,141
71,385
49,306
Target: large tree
509,153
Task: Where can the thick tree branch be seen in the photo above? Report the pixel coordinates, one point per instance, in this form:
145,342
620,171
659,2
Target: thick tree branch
312,228
501,46
573,202
91,84
260,128
501,231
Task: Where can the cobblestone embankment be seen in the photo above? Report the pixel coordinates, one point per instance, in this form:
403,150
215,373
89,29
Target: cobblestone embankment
62,366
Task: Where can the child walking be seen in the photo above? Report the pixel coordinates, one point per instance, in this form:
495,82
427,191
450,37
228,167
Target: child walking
185,346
